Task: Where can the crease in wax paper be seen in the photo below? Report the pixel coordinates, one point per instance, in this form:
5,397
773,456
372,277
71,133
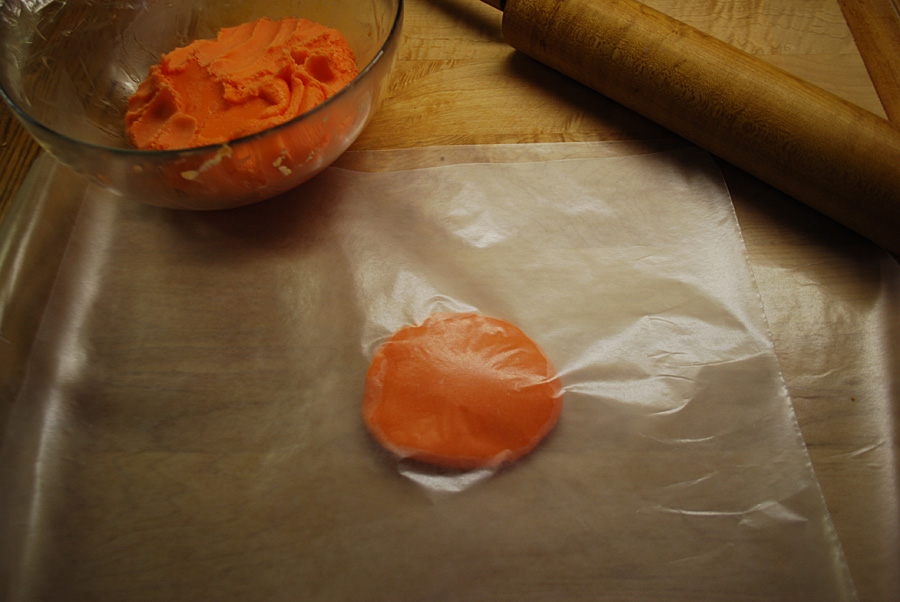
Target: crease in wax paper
187,409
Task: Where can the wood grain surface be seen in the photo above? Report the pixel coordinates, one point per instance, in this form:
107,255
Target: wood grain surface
18,150
457,82
875,29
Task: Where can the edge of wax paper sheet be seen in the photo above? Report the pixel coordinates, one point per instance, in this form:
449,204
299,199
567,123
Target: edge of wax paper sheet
644,444
33,239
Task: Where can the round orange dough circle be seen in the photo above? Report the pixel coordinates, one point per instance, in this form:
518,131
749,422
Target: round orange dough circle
461,390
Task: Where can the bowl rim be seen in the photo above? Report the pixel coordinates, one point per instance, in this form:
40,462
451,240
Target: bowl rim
182,153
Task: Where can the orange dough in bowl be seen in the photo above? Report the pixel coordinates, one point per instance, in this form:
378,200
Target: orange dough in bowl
461,390
251,77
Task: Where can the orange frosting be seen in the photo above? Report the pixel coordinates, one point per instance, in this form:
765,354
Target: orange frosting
249,78
461,390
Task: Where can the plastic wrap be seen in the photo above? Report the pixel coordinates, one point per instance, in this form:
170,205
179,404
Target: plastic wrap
185,388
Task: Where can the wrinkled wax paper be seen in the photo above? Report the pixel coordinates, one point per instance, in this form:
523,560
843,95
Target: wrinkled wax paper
183,418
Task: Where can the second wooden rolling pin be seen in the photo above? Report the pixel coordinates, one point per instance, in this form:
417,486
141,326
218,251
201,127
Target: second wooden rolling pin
826,152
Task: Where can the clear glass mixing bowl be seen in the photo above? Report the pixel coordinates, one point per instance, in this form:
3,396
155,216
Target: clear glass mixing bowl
67,68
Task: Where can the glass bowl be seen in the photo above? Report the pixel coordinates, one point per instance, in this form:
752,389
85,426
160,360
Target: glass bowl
67,68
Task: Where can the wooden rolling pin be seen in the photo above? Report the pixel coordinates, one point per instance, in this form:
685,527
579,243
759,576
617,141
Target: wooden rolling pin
820,149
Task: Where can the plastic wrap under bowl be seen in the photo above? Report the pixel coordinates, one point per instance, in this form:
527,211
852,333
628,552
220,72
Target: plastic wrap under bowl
184,393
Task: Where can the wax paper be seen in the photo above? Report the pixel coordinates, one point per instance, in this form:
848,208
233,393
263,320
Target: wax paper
182,415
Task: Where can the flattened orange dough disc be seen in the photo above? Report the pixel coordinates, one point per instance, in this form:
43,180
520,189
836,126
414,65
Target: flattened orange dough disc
461,390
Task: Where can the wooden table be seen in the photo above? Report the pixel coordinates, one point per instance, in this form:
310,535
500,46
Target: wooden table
457,82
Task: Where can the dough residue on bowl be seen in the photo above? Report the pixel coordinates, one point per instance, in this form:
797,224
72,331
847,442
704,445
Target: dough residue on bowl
249,78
